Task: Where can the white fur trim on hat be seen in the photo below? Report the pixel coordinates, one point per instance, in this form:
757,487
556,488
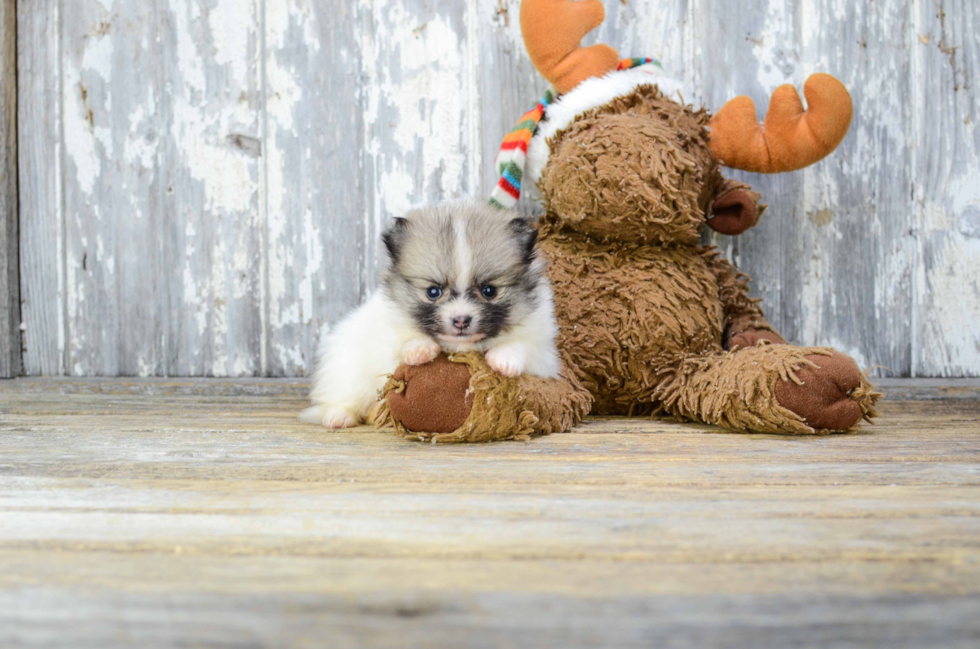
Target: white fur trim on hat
589,94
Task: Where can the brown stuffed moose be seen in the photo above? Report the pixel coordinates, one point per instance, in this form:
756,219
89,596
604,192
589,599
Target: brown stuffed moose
651,321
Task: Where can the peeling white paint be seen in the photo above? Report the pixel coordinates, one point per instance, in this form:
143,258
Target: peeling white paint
396,191
291,357
145,369
473,102
285,96
193,301
225,174
243,366
231,27
140,149
950,283
190,61
314,262
774,47
80,147
416,119
84,136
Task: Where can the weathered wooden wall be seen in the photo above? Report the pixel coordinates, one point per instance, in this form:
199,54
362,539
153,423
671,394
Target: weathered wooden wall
10,354
203,181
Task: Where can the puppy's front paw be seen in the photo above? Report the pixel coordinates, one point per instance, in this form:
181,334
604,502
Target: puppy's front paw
340,418
420,351
508,360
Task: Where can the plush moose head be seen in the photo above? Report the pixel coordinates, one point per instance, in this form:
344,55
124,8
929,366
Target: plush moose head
642,166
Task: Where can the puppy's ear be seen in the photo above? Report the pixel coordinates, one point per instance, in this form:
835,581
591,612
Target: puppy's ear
527,235
394,238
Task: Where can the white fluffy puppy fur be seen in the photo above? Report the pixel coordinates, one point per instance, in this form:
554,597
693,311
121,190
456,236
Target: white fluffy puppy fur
460,277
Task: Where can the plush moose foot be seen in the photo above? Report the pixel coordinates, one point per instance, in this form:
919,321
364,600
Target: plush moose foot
770,388
459,398
832,393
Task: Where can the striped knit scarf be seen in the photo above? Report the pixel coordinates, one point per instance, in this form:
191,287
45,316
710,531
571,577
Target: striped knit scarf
513,152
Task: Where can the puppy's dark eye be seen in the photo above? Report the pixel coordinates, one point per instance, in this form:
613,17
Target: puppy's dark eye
433,292
488,292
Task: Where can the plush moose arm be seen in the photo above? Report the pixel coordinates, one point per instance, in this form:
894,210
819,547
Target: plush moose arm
745,325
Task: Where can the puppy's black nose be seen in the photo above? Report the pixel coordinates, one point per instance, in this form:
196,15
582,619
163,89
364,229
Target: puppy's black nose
461,322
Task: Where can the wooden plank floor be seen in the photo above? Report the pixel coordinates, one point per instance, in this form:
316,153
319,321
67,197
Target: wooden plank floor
164,513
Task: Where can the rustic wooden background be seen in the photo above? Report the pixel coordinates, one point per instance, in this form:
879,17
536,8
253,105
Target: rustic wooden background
202,182
10,353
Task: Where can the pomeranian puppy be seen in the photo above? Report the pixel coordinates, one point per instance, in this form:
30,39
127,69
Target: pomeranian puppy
460,277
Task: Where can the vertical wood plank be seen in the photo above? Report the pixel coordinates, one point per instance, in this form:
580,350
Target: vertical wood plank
10,350
947,188
750,47
214,237
422,110
507,79
857,242
316,212
39,158
114,266
655,28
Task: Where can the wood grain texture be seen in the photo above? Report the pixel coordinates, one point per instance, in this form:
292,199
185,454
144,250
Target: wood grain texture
115,302
858,248
214,217
186,519
750,48
316,219
422,105
946,164
42,232
10,351
212,204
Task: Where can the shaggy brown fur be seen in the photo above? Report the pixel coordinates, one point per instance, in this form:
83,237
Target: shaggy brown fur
738,390
651,321
636,169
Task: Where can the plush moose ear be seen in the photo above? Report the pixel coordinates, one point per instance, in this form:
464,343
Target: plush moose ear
735,212
394,237
527,235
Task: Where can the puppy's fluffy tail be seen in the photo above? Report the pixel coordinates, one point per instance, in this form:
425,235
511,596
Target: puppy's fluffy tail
312,415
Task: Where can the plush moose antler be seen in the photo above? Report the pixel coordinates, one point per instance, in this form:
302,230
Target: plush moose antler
790,137
552,32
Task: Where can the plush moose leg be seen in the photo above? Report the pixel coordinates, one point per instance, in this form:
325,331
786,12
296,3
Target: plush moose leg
770,388
821,388
459,398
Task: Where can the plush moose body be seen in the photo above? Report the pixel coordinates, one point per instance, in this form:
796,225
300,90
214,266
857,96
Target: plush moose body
650,320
